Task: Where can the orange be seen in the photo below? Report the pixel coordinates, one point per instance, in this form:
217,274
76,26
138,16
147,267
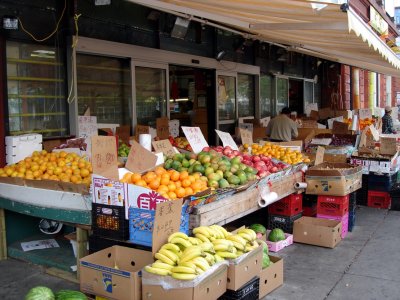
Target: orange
85,172
175,175
149,177
171,187
154,184
183,175
159,170
196,186
141,182
186,183
165,195
135,177
178,184
172,195
162,189
180,192
188,191
197,175
164,180
191,178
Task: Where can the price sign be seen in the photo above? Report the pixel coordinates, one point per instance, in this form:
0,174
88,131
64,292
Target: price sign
87,127
164,146
162,126
141,129
365,113
319,157
374,132
167,220
104,156
246,136
140,159
195,138
227,139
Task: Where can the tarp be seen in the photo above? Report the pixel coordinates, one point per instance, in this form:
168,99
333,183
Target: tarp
317,28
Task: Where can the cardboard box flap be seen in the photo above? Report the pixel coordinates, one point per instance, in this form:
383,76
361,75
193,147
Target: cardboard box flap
333,169
318,222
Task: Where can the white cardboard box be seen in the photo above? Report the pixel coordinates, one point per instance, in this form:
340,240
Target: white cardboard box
20,146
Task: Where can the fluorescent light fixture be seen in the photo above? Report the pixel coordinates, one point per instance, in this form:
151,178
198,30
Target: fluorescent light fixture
179,100
43,54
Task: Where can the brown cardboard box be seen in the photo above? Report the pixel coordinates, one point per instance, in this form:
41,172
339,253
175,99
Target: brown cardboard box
271,277
259,133
211,287
308,133
113,273
328,179
241,273
316,231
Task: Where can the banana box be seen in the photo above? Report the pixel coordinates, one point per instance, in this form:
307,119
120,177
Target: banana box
114,273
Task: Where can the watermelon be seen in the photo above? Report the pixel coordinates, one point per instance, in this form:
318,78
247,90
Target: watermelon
40,293
259,229
70,295
266,261
264,245
276,235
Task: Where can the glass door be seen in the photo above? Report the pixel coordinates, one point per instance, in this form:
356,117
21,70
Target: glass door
226,103
150,93
266,93
308,91
282,93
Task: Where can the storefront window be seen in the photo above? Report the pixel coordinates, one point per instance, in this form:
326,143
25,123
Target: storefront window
36,90
226,98
282,93
246,95
104,86
308,93
151,94
265,96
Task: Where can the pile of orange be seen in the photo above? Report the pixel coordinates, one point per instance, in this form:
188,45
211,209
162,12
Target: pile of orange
170,184
286,155
366,122
59,166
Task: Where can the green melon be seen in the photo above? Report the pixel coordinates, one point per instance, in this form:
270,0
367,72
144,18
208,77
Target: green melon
40,293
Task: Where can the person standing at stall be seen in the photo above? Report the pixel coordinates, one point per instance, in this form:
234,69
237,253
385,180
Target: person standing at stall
282,128
387,122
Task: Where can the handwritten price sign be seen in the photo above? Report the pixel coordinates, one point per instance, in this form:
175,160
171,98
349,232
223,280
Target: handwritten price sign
162,125
227,139
365,113
104,156
140,159
195,138
164,146
246,136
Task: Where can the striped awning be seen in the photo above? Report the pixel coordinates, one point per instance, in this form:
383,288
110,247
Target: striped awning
318,28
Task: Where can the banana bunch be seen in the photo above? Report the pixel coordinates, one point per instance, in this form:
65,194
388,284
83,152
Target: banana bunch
250,237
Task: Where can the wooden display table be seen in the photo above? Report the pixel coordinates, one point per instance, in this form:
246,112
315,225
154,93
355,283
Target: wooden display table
70,208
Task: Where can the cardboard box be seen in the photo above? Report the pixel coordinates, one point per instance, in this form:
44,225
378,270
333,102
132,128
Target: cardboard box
259,133
316,231
114,273
211,287
240,273
333,179
272,277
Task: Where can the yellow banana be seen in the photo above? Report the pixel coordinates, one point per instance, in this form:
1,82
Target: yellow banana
249,232
181,269
225,254
183,242
171,255
172,247
199,271
210,258
248,248
202,263
224,231
183,276
238,246
218,258
177,234
202,230
194,241
255,244
223,247
164,259
208,247
187,264
237,238
161,265
239,253
191,253
220,231
202,237
214,233
223,242
157,271
246,236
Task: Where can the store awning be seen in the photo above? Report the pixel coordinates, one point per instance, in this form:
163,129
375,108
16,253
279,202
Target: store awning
317,28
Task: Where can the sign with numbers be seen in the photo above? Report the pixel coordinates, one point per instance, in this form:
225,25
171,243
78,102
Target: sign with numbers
164,146
246,136
195,138
140,159
227,139
104,156
87,127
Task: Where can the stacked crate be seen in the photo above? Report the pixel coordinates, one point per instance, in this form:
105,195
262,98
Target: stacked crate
284,212
334,208
310,205
379,186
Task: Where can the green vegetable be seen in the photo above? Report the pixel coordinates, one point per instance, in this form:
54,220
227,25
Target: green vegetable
276,235
70,295
266,261
40,293
258,228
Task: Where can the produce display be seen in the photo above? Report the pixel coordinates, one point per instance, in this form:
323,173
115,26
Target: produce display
276,235
123,150
180,142
59,166
266,262
220,171
74,143
44,293
185,258
259,229
275,151
262,163
170,184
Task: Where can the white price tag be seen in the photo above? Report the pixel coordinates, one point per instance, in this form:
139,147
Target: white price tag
195,138
227,139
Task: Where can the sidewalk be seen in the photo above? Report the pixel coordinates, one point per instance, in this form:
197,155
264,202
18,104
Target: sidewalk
365,265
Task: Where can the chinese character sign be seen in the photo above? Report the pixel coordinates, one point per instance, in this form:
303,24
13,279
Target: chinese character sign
104,156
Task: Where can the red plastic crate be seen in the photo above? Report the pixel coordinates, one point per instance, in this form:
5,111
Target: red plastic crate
333,205
379,199
288,206
310,211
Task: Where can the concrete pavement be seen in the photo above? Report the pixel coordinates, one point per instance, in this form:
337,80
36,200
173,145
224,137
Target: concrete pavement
365,265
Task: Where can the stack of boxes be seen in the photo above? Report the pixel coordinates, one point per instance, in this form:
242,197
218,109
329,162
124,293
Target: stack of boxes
379,187
20,146
284,212
334,208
